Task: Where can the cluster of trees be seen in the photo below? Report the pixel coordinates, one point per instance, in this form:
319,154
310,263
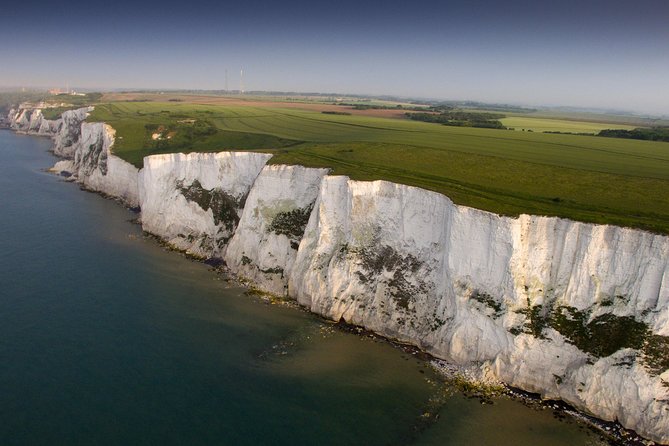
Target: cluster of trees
568,133
379,107
328,112
648,134
460,118
475,105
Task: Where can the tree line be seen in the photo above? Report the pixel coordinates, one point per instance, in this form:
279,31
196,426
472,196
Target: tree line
647,134
460,118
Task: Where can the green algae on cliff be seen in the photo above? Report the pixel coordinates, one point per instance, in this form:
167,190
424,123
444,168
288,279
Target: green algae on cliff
600,336
291,224
224,206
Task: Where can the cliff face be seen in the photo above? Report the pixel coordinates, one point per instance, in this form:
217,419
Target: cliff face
100,170
194,201
87,148
31,120
573,311
66,140
265,244
566,309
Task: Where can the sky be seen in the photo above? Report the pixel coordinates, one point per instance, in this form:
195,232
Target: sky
609,54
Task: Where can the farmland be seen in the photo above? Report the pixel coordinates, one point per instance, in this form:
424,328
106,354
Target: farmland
586,178
558,125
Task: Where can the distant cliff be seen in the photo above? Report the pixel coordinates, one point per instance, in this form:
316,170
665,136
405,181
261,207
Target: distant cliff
86,148
571,310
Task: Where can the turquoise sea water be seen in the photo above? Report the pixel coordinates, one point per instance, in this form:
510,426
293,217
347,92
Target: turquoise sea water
107,338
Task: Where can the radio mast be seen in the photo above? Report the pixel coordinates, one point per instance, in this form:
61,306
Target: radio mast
241,81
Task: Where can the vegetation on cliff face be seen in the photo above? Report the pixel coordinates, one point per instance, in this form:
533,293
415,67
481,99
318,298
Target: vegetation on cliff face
224,206
397,271
535,320
489,301
656,353
599,336
603,335
291,224
95,158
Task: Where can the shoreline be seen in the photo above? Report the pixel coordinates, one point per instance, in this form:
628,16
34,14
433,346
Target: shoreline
166,242
467,380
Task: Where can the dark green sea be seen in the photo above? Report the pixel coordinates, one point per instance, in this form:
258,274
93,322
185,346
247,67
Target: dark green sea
106,338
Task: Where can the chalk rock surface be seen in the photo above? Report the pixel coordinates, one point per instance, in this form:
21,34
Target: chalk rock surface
194,201
264,246
570,310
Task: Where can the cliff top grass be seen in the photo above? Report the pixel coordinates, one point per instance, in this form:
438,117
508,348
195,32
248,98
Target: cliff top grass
64,102
587,178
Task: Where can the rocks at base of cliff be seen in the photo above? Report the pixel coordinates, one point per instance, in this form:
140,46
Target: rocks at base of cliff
64,168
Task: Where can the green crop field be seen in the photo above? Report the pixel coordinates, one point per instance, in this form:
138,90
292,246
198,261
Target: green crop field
558,125
588,178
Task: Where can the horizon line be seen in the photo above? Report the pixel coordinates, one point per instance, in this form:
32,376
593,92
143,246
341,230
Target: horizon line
386,96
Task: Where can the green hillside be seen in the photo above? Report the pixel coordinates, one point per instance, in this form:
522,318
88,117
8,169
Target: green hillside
586,178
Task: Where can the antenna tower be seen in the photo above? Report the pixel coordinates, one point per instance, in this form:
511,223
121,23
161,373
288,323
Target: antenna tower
241,81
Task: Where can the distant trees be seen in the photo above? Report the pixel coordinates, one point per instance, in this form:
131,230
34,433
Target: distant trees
460,118
648,134
329,112
356,106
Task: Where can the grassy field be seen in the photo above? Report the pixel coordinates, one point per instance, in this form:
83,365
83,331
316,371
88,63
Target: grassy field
559,125
593,179
64,102
635,121
611,120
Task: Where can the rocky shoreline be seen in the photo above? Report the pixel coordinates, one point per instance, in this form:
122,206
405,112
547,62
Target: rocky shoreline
470,380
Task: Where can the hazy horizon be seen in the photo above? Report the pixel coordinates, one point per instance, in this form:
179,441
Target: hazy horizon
591,54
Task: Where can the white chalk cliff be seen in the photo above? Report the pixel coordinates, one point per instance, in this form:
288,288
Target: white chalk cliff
194,201
570,310
87,149
264,247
